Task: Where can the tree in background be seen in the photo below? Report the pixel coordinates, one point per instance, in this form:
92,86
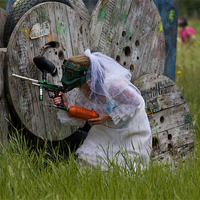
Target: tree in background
189,8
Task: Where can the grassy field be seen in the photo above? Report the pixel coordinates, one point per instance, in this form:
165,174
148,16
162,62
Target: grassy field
38,174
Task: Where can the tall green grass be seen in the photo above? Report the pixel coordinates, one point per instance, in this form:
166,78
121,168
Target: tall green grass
43,173
188,63
27,173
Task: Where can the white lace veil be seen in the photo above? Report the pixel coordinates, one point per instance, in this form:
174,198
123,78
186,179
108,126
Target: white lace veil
109,82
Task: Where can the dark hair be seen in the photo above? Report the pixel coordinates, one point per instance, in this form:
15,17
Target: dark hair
183,22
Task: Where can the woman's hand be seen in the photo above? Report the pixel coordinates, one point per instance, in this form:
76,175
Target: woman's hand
57,100
100,120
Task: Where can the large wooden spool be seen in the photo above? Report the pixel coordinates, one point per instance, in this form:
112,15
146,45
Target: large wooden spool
170,118
65,33
130,32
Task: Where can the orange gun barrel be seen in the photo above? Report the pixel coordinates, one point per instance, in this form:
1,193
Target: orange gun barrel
82,113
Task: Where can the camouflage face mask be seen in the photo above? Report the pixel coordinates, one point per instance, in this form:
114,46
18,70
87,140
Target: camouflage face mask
73,76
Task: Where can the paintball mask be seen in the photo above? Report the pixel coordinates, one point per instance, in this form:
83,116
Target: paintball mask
73,76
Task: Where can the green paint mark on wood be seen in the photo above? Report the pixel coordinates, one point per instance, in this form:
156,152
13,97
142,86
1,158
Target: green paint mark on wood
75,53
21,30
102,14
58,27
129,34
155,107
44,16
124,17
160,27
115,17
171,15
62,29
187,118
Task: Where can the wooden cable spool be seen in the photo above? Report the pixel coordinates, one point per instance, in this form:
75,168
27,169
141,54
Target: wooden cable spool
170,118
130,32
58,32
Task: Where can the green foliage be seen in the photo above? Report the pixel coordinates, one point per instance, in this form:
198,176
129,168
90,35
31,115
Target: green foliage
188,80
189,7
31,174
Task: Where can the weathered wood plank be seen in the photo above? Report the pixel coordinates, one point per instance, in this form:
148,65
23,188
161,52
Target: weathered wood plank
80,8
172,138
3,16
5,117
169,116
69,35
184,155
159,92
130,32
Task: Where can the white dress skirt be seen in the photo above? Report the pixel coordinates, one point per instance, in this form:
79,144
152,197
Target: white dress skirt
119,141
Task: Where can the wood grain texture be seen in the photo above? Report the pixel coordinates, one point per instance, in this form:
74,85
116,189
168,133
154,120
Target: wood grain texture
130,32
5,117
170,118
69,36
3,17
80,8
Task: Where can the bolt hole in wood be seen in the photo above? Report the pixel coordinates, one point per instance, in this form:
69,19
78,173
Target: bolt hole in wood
170,147
124,33
127,51
138,58
155,142
48,45
137,43
61,55
162,119
132,68
53,44
81,30
118,58
169,136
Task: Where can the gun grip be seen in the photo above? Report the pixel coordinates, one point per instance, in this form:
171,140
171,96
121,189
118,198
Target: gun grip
57,95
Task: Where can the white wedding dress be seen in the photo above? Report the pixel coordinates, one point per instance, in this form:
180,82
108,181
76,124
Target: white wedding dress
127,135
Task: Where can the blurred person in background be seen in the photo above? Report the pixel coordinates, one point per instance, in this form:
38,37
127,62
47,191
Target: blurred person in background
187,33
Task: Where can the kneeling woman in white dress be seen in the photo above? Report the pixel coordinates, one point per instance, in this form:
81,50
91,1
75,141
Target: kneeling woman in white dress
122,130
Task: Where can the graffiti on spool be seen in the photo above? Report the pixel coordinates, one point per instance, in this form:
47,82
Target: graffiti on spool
160,88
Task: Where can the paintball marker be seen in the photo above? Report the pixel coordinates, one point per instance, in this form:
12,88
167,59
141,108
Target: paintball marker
45,66
72,77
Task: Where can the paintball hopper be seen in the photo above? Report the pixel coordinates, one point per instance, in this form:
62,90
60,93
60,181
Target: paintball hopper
44,65
73,76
